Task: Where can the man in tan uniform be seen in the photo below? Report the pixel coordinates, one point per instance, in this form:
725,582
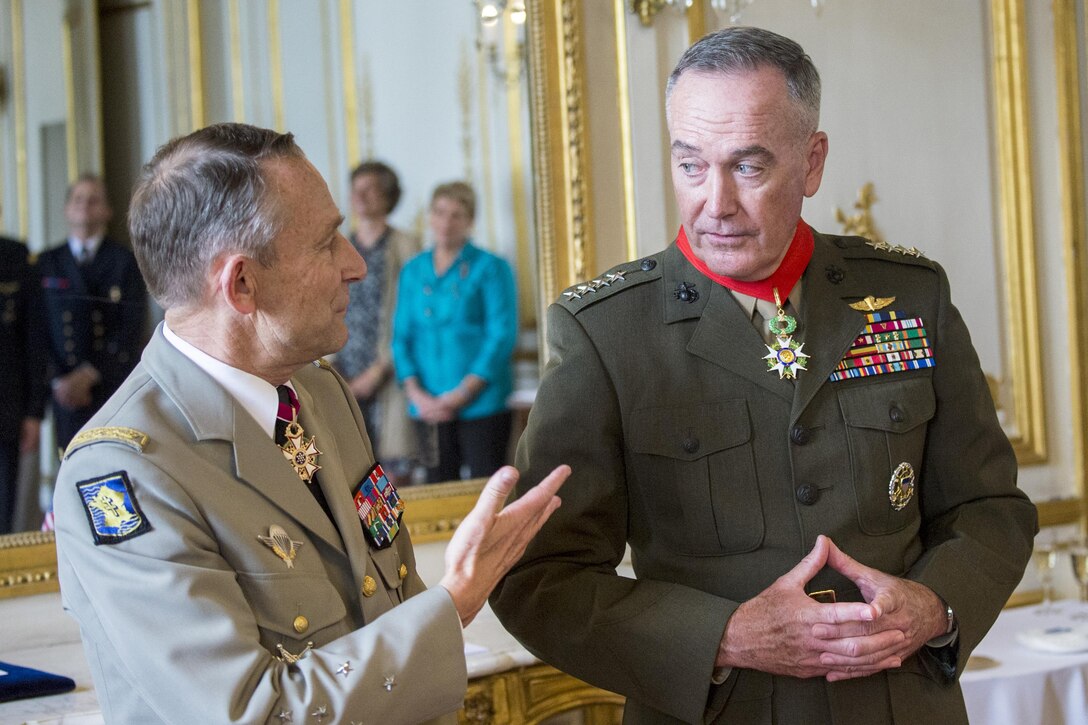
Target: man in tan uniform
821,506
226,540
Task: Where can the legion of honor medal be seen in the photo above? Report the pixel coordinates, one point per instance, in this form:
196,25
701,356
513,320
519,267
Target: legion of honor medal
784,356
301,453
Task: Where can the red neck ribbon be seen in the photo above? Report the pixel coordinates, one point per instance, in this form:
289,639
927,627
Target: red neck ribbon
784,278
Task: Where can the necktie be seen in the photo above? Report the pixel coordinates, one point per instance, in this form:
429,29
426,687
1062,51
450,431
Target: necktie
291,438
83,255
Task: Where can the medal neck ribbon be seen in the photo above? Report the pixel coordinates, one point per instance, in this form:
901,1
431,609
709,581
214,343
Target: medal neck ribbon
783,279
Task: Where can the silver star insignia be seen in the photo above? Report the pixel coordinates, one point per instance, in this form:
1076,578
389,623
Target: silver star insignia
320,713
617,276
390,683
344,669
285,716
583,288
882,246
573,295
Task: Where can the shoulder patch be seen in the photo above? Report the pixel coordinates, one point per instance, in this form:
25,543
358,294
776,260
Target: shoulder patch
322,363
130,437
111,508
615,280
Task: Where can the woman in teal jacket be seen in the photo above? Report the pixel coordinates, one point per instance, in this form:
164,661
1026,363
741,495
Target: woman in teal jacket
453,336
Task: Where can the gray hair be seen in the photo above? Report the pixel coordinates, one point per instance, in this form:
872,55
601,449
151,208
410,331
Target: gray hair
201,196
742,49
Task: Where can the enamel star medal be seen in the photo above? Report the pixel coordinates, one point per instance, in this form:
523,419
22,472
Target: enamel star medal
785,356
301,453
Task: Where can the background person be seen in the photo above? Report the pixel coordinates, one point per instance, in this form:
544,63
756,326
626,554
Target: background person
23,385
94,303
224,538
366,360
454,332
757,476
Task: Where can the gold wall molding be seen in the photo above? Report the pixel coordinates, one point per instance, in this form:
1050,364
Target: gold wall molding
515,69
70,137
196,64
1018,227
275,60
1074,228
347,74
862,222
237,78
627,153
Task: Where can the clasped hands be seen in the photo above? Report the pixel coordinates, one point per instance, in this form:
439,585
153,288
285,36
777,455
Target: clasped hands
784,631
74,390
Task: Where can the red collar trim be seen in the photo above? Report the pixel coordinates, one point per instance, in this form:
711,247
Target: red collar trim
784,278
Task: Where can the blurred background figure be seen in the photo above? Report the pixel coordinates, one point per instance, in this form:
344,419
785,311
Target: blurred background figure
22,384
454,330
94,302
366,360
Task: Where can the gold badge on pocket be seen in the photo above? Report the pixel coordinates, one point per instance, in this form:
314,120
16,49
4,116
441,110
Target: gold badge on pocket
901,486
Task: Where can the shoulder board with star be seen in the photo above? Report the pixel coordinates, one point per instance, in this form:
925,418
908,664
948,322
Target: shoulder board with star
128,437
860,247
623,276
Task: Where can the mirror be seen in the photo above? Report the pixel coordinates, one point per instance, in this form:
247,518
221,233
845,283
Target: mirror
346,76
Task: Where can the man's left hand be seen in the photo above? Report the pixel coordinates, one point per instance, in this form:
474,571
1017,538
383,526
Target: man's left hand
900,604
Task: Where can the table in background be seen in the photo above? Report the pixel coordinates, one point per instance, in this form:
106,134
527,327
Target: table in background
1027,687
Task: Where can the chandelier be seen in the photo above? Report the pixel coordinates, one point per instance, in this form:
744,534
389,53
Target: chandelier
647,9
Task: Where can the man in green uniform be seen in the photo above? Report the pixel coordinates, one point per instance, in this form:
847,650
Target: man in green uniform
798,446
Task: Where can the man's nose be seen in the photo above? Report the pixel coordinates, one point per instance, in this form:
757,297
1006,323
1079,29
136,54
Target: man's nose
721,199
355,266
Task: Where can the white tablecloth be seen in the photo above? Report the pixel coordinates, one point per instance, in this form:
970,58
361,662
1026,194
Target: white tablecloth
1028,687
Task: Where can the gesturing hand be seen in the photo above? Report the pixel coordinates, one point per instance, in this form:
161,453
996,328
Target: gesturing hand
492,538
778,630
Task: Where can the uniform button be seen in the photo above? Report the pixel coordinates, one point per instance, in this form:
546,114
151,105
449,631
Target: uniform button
896,414
403,571
807,494
690,445
66,316
301,624
647,264
369,586
799,434
99,330
69,346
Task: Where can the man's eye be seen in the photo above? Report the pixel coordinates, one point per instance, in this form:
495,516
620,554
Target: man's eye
747,169
688,168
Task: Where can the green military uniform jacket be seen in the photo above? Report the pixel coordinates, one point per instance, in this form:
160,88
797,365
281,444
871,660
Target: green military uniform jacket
183,623
720,475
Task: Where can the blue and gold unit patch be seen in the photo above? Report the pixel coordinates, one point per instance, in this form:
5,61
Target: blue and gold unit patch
111,508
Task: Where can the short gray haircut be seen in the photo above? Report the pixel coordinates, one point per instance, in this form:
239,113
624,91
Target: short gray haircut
201,196
743,49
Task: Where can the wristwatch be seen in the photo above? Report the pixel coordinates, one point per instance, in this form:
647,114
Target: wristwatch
951,618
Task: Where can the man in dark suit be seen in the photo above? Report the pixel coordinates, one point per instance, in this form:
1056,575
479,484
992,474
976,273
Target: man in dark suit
798,445
22,384
94,302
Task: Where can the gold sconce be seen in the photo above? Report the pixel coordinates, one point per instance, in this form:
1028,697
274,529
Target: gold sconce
492,15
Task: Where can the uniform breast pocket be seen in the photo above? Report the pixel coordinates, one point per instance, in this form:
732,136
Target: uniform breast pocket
695,469
292,609
886,426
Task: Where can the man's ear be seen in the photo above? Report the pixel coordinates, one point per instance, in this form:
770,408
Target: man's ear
237,283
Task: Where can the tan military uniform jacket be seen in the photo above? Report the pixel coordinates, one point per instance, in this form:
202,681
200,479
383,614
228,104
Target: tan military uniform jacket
183,623
720,475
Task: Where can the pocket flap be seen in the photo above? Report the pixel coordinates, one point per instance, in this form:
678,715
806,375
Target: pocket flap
690,432
388,562
894,406
276,599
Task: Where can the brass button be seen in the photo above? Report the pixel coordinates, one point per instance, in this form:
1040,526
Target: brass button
403,571
66,316
301,624
369,586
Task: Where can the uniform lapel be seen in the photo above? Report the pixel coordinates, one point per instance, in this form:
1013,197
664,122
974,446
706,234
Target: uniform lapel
335,485
725,336
213,414
828,324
